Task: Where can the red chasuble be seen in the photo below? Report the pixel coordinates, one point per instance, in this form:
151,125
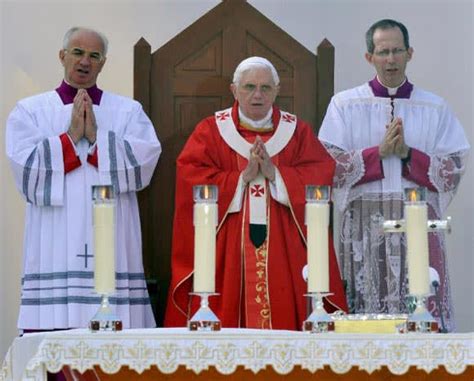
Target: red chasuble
258,287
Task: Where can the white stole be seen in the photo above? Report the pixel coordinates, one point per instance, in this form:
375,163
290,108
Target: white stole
257,187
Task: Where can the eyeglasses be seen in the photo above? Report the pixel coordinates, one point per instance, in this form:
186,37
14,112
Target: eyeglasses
251,88
386,52
95,57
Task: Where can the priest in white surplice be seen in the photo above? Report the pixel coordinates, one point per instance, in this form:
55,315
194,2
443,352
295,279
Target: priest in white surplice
60,143
387,135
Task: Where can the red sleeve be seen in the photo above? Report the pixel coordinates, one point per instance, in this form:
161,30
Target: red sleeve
416,169
71,160
93,158
373,166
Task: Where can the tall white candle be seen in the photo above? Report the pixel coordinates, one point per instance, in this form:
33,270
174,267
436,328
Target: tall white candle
317,221
416,219
205,221
104,248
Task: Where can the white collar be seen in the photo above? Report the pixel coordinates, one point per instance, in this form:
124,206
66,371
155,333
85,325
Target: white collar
391,90
262,123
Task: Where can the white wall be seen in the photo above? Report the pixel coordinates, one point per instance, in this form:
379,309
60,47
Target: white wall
31,33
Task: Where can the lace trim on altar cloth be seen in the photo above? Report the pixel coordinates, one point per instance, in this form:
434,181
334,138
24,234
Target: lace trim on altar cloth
255,350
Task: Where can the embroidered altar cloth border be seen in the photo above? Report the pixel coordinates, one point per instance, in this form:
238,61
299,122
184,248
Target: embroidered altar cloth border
168,348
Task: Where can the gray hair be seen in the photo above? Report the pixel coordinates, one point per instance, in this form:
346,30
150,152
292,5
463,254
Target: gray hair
255,62
74,29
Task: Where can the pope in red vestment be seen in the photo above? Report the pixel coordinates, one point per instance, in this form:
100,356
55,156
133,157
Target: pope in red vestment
261,171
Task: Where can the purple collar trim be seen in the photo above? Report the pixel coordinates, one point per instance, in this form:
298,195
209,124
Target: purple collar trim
379,90
67,93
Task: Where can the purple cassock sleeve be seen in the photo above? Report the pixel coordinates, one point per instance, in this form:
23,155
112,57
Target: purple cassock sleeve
372,164
416,169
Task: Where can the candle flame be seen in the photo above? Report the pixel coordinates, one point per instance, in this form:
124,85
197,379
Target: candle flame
206,192
413,195
318,194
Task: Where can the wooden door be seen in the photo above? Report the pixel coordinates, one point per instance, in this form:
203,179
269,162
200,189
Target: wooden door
188,79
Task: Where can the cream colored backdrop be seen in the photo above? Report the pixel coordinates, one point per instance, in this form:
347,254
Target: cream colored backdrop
31,35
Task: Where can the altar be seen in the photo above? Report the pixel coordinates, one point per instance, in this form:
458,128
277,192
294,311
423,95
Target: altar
238,354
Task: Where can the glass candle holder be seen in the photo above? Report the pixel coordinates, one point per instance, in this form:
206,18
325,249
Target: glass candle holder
416,230
103,205
205,223
317,221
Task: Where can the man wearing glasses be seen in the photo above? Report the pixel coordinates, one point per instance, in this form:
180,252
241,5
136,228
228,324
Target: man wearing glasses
61,143
387,135
260,158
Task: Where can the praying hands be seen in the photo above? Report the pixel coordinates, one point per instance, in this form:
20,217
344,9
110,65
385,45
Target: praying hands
83,124
393,142
259,160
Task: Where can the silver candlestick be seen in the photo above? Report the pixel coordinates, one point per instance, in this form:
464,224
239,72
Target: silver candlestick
105,319
319,320
204,319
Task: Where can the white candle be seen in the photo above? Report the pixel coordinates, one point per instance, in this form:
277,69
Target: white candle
205,221
416,219
104,248
317,221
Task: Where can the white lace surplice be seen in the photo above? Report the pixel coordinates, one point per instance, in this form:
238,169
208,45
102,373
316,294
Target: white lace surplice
373,264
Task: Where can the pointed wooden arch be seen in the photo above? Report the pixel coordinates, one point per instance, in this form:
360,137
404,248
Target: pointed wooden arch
188,79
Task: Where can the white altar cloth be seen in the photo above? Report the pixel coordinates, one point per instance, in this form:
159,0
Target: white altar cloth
167,348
